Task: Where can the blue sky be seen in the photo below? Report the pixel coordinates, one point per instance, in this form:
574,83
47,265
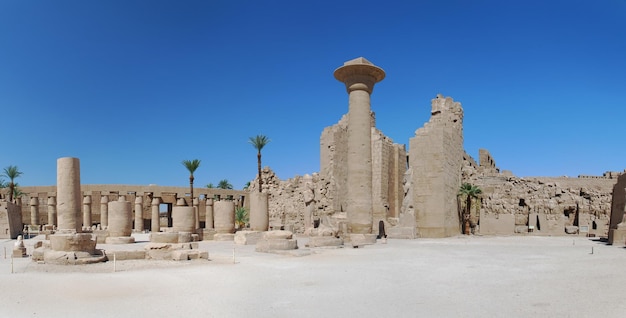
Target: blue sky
132,88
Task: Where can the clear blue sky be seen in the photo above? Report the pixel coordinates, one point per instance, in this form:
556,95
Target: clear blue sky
132,88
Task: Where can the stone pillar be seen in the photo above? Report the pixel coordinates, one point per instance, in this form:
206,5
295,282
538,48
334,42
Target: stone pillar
139,214
259,211
52,211
120,218
68,194
183,219
86,212
225,216
209,213
156,218
104,212
359,76
196,213
34,211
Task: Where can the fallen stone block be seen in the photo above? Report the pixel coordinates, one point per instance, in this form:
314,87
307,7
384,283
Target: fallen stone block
248,237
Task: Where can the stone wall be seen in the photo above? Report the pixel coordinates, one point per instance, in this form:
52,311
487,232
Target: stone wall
10,220
436,157
539,205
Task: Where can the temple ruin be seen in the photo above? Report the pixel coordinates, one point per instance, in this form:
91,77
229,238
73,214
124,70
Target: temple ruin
364,179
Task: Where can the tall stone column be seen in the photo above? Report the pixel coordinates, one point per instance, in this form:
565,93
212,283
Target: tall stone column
86,212
52,211
156,220
104,212
139,214
34,211
196,212
359,76
209,213
68,194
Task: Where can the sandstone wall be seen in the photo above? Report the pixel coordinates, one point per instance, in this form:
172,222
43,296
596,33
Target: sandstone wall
436,157
10,220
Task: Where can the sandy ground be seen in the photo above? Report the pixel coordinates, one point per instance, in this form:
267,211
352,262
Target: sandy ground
453,277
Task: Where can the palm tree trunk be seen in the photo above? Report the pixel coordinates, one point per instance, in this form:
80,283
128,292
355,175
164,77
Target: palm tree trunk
11,189
191,189
466,218
258,156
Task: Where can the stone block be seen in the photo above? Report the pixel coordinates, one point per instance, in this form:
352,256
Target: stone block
357,239
325,241
126,255
164,237
497,224
279,234
248,237
571,229
119,240
19,252
276,244
224,237
78,242
401,232
185,237
521,229
207,234
617,237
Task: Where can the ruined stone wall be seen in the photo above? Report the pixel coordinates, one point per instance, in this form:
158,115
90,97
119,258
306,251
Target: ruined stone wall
436,157
333,161
10,220
388,168
548,205
618,204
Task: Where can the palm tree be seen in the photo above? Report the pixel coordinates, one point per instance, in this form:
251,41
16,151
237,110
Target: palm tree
2,186
241,217
224,184
259,141
210,185
192,166
11,172
470,192
247,185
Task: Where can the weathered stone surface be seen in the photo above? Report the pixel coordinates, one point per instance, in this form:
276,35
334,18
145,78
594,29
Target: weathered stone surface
268,245
79,242
362,239
224,237
125,255
570,229
120,240
247,237
164,237
279,234
325,241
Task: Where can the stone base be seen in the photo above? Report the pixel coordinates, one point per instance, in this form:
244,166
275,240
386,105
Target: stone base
100,236
224,237
248,237
207,234
268,245
617,237
76,242
125,255
120,240
172,237
401,232
325,241
358,240
49,256
19,252
177,252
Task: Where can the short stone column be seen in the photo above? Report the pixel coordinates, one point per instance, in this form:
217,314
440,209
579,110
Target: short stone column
120,221
139,214
34,211
155,221
259,211
52,211
209,213
104,212
183,219
224,216
68,195
359,76
86,212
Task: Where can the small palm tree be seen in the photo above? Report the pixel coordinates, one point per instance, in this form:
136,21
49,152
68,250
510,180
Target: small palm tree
245,187
259,141
210,185
469,192
11,172
241,217
224,184
192,166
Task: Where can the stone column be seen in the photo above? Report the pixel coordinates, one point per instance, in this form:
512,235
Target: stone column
156,219
139,214
225,216
209,213
104,212
359,75
86,212
259,211
34,211
52,211
196,213
183,219
68,194
120,217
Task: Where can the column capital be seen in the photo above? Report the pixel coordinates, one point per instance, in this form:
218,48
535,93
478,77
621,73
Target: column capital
359,74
